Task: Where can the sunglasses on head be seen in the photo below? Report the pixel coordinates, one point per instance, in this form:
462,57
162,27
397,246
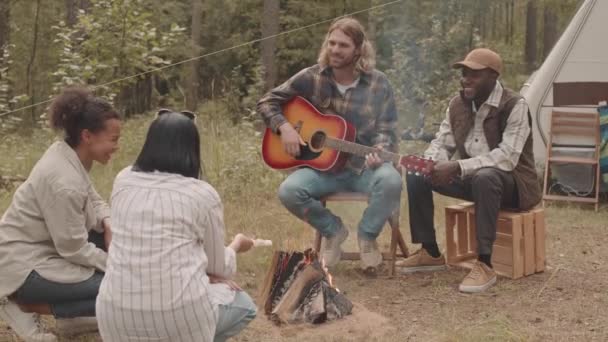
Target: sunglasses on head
187,113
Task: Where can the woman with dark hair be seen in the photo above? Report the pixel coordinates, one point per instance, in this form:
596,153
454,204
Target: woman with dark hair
52,235
169,274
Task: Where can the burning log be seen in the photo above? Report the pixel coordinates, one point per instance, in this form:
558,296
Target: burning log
298,288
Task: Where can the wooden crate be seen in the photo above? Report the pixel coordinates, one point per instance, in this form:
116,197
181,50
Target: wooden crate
519,249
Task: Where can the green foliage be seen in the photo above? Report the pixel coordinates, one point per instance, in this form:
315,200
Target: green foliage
421,70
416,42
9,123
231,154
113,40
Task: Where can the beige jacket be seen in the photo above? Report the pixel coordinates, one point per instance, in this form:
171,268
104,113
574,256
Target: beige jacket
46,226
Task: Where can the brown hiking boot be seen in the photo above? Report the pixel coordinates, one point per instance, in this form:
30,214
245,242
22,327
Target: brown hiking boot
479,279
420,261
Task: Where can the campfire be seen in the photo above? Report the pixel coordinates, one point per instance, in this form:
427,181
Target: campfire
298,288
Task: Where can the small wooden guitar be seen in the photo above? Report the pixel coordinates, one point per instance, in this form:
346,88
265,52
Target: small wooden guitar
329,139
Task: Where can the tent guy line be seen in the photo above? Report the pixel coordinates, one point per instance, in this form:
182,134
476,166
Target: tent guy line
251,42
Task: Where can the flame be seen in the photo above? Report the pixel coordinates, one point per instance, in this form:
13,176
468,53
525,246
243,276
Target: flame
307,260
330,278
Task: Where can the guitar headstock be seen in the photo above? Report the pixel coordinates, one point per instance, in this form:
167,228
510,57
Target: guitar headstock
419,166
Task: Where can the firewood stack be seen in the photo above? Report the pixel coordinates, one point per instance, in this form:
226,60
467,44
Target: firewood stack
298,289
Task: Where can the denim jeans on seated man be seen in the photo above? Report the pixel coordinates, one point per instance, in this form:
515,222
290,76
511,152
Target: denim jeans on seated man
300,193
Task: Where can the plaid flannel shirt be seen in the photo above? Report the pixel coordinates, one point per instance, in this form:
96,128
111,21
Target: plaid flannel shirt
504,157
369,106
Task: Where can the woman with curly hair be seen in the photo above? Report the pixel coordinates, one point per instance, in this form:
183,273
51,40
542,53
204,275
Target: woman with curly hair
54,235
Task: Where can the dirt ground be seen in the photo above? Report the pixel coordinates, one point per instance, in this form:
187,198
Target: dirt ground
568,302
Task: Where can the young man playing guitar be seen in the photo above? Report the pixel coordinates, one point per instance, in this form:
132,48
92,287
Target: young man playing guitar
343,82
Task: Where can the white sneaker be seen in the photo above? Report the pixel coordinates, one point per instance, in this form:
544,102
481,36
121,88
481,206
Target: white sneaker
331,249
76,325
25,325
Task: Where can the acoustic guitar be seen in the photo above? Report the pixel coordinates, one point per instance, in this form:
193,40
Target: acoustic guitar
329,141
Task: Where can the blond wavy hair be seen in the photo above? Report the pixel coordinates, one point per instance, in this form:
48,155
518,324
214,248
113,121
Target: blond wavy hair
366,60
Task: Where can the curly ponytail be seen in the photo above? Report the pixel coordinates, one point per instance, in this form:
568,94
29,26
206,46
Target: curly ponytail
77,109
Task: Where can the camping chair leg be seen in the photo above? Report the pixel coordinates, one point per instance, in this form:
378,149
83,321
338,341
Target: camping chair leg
396,240
394,222
391,262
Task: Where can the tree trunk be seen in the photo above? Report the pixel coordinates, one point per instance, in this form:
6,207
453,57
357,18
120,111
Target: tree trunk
494,21
509,18
136,97
270,27
482,12
72,7
549,30
193,73
512,21
5,9
506,31
30,84
530,47
71,12
5,86
371,23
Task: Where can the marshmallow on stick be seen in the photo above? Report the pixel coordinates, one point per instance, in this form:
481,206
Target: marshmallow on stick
262,243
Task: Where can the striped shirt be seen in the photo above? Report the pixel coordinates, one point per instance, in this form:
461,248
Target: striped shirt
369,105
504,157
168,234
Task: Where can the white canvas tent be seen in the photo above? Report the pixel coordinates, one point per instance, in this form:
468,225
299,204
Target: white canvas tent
580,55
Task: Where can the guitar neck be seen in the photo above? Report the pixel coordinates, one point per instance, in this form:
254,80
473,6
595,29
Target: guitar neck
360,150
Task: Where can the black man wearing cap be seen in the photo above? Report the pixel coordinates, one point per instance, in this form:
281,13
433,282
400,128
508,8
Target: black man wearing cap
482,153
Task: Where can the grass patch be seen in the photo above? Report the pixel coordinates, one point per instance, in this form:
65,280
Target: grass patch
420,307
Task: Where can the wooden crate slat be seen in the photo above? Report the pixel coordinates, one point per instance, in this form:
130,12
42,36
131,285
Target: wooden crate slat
502,255
449,233
518,247
503,226
461,219
472,233
504,240
529,244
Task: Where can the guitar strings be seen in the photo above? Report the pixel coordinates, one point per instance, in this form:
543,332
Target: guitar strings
251,42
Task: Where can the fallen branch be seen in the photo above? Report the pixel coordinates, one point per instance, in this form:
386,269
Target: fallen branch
8,182
547,282
12,179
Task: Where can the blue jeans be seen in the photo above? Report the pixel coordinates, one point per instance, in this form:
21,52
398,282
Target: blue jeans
300,193
65,300
234,317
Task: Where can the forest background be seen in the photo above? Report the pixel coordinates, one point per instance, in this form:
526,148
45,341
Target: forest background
48,44
45,45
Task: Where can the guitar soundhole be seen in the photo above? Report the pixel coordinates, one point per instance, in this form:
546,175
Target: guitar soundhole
317,141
